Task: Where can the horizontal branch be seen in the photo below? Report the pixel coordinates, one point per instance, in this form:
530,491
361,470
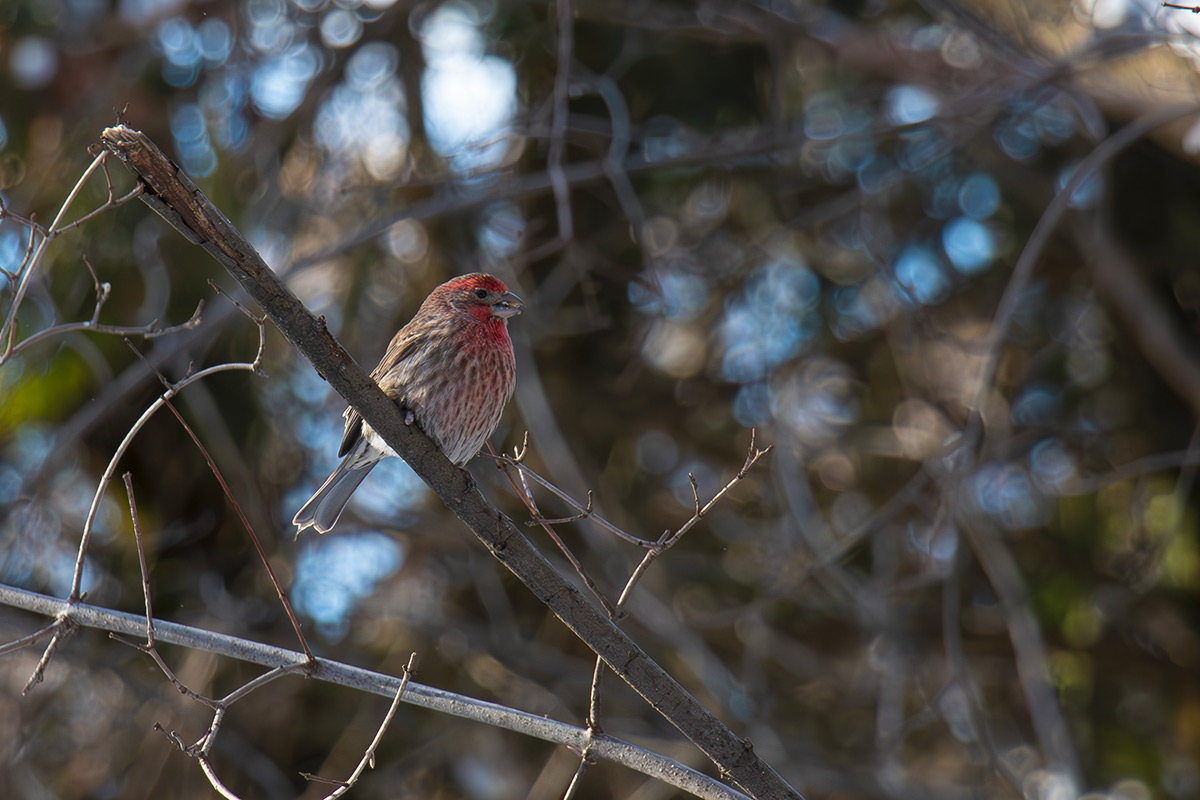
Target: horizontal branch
719,150
636,758
174,197
150,330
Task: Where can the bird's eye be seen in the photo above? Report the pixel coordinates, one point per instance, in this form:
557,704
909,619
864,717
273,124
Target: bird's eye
481,294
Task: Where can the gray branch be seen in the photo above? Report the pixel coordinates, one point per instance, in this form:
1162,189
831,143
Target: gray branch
645,761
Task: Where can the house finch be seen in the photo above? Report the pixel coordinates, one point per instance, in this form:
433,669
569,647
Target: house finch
451,369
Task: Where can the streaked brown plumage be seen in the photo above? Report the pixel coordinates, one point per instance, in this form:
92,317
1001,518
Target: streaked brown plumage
451,369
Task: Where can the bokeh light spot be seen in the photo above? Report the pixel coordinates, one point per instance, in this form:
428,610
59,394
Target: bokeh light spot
657,452
1086,193
818,402
469,97
1006,493
908,105
771,322
1037,404
752,405
192,143
502,230
823,117
1017,137
340,28
919,270
372,65
969,244
676,350
1052,465
280,81
215,41
408,241
33,62
979,196
335,573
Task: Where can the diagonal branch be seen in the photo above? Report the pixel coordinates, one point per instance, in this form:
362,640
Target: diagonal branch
368,758
172,195
1006,310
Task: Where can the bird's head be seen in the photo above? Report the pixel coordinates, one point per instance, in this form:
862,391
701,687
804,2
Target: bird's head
482,296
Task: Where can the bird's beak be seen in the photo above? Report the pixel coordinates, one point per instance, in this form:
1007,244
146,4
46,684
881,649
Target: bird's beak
509,305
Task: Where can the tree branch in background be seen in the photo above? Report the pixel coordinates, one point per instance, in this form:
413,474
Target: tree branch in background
23,277
1118,280
558,125
172,195
1088,168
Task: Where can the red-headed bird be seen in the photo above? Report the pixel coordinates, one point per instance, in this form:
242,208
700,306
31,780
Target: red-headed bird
451,369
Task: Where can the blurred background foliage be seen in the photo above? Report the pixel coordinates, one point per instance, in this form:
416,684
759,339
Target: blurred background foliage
790,216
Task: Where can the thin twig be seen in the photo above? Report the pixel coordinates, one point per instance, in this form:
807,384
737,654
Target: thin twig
8,331
165,669
172,736
111,203
63,628
149,647
221,789
752,457
28,639
368,758
261,681
585,511
150,330
202,747
237,507
77,579
585,760
141,551
664,543
527,498
109,471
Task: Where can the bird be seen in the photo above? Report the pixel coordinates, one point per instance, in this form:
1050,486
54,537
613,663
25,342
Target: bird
451,370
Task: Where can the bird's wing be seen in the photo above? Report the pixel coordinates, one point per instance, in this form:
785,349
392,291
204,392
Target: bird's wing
402,346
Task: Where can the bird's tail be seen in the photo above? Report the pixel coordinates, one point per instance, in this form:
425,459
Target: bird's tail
325,507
